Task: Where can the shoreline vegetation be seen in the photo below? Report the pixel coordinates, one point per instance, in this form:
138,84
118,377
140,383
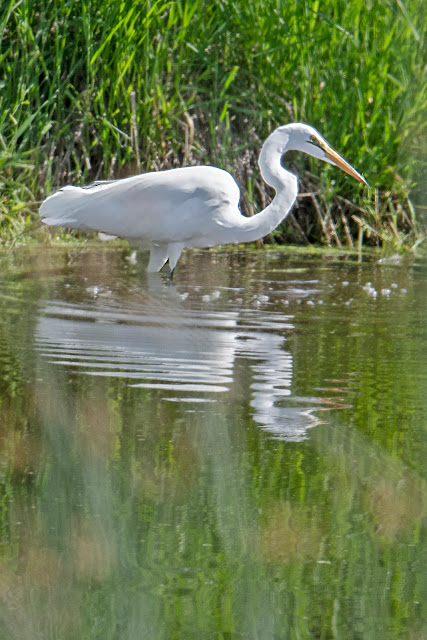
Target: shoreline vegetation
95,90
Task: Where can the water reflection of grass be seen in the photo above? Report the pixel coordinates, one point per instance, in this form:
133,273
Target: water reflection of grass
396,504
290,532
125,516
299,534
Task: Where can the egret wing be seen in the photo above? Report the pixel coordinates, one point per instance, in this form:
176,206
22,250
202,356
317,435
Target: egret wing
162,206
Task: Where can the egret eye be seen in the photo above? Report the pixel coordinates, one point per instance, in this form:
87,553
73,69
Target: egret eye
313,139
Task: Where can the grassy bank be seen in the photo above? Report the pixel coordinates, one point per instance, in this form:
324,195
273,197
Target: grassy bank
94,89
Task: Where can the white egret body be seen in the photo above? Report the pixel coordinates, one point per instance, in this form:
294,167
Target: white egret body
191,207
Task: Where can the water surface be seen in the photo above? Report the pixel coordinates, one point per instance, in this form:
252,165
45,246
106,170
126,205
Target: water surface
239,454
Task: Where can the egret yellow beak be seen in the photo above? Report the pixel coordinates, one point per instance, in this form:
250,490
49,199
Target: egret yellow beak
336,159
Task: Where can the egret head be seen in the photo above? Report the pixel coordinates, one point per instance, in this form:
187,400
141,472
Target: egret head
302,137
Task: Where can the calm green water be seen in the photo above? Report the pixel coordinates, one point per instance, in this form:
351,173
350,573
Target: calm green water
239,455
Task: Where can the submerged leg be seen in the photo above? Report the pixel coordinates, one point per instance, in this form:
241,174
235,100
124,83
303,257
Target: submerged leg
174,251
158,257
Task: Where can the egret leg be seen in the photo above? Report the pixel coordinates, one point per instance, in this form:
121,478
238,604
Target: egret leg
174,252
158,257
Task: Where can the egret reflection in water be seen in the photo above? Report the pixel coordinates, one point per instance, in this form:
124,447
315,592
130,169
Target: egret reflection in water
188,356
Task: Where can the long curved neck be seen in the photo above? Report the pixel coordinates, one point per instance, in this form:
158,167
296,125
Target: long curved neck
283,182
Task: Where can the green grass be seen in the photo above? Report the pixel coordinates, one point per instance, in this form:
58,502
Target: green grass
93,89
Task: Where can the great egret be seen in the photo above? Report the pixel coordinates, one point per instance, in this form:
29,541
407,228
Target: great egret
190,207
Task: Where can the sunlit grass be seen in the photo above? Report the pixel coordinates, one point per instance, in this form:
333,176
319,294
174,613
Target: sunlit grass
93,89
